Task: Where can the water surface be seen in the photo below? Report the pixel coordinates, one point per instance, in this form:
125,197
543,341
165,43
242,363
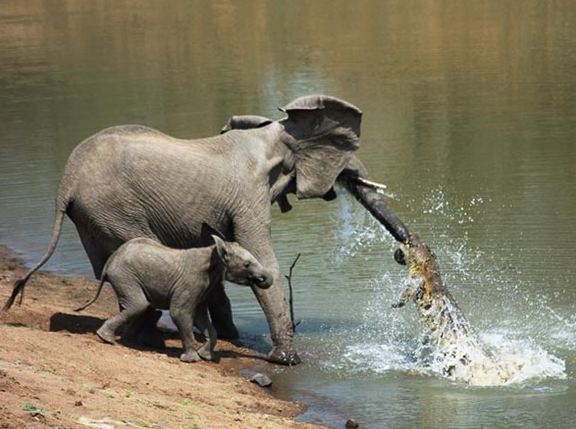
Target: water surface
469,117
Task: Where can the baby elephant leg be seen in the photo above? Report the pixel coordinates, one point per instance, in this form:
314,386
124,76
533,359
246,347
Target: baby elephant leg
184,320
132,304
206,352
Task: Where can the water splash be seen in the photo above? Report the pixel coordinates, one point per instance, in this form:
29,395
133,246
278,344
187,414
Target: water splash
522,361
502,353
491,358
355,230
436,203
454,350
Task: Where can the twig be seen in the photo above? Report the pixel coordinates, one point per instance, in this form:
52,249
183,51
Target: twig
290,297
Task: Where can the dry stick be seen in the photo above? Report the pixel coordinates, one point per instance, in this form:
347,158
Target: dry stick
290,301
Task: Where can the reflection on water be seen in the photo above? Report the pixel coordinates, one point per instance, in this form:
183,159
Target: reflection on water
469,117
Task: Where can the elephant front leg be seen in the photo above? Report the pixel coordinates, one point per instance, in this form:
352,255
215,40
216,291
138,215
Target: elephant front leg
257,240
184,321
206,352
280,324
275,307
221,313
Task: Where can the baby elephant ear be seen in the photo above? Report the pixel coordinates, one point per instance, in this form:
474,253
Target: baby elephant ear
245,122
325,134
221,248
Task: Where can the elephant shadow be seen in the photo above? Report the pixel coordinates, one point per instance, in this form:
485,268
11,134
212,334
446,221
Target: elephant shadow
234,349
82,324
74,323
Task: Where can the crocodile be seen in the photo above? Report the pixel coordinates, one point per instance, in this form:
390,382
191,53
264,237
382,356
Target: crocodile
460,352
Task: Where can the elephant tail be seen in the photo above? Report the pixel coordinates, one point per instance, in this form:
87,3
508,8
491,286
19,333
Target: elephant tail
18,288
103,278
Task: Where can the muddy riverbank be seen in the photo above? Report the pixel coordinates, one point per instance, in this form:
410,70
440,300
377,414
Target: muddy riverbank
54,372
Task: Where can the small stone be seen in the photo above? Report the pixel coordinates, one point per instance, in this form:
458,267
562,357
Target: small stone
78,404
351,424
261,380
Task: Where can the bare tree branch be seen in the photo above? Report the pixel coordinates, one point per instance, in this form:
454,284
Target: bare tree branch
290,297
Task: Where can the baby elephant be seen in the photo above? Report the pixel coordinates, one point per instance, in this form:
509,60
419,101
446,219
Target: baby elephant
144,274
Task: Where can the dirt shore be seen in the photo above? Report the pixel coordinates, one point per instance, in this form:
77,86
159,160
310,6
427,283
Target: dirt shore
55,373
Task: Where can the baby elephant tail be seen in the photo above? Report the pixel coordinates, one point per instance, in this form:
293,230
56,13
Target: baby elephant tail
102,280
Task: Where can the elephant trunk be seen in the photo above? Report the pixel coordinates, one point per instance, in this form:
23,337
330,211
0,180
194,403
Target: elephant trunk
367,194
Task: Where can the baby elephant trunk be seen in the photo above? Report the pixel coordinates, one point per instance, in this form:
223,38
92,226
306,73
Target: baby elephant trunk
240,266
263,280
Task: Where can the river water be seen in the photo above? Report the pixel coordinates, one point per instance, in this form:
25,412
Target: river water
469,118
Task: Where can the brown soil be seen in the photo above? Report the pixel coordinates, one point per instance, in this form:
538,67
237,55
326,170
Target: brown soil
55,373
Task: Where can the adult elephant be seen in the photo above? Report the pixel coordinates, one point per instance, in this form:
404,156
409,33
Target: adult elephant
132,181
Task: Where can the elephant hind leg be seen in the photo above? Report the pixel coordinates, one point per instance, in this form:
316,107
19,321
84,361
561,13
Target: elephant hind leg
133,303
107,331
142,330
97,253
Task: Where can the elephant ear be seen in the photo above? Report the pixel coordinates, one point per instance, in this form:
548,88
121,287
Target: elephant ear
325,134
355,167
245,122
222,249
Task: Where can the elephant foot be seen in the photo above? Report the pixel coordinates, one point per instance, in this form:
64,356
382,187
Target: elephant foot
283,356
206,354
106,336
190,356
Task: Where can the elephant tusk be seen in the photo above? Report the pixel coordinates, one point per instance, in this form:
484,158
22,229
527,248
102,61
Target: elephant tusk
367,195
378,187
370,183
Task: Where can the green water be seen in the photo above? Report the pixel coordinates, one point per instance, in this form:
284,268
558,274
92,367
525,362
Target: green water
469,118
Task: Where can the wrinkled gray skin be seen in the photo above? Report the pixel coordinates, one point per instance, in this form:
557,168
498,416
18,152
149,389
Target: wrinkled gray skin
131,181
145,274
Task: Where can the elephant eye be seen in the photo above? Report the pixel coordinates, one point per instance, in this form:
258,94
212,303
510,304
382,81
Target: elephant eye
247,264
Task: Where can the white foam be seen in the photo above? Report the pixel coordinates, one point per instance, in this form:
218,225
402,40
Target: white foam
462,355
376,358
355,229
521,361
524,359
